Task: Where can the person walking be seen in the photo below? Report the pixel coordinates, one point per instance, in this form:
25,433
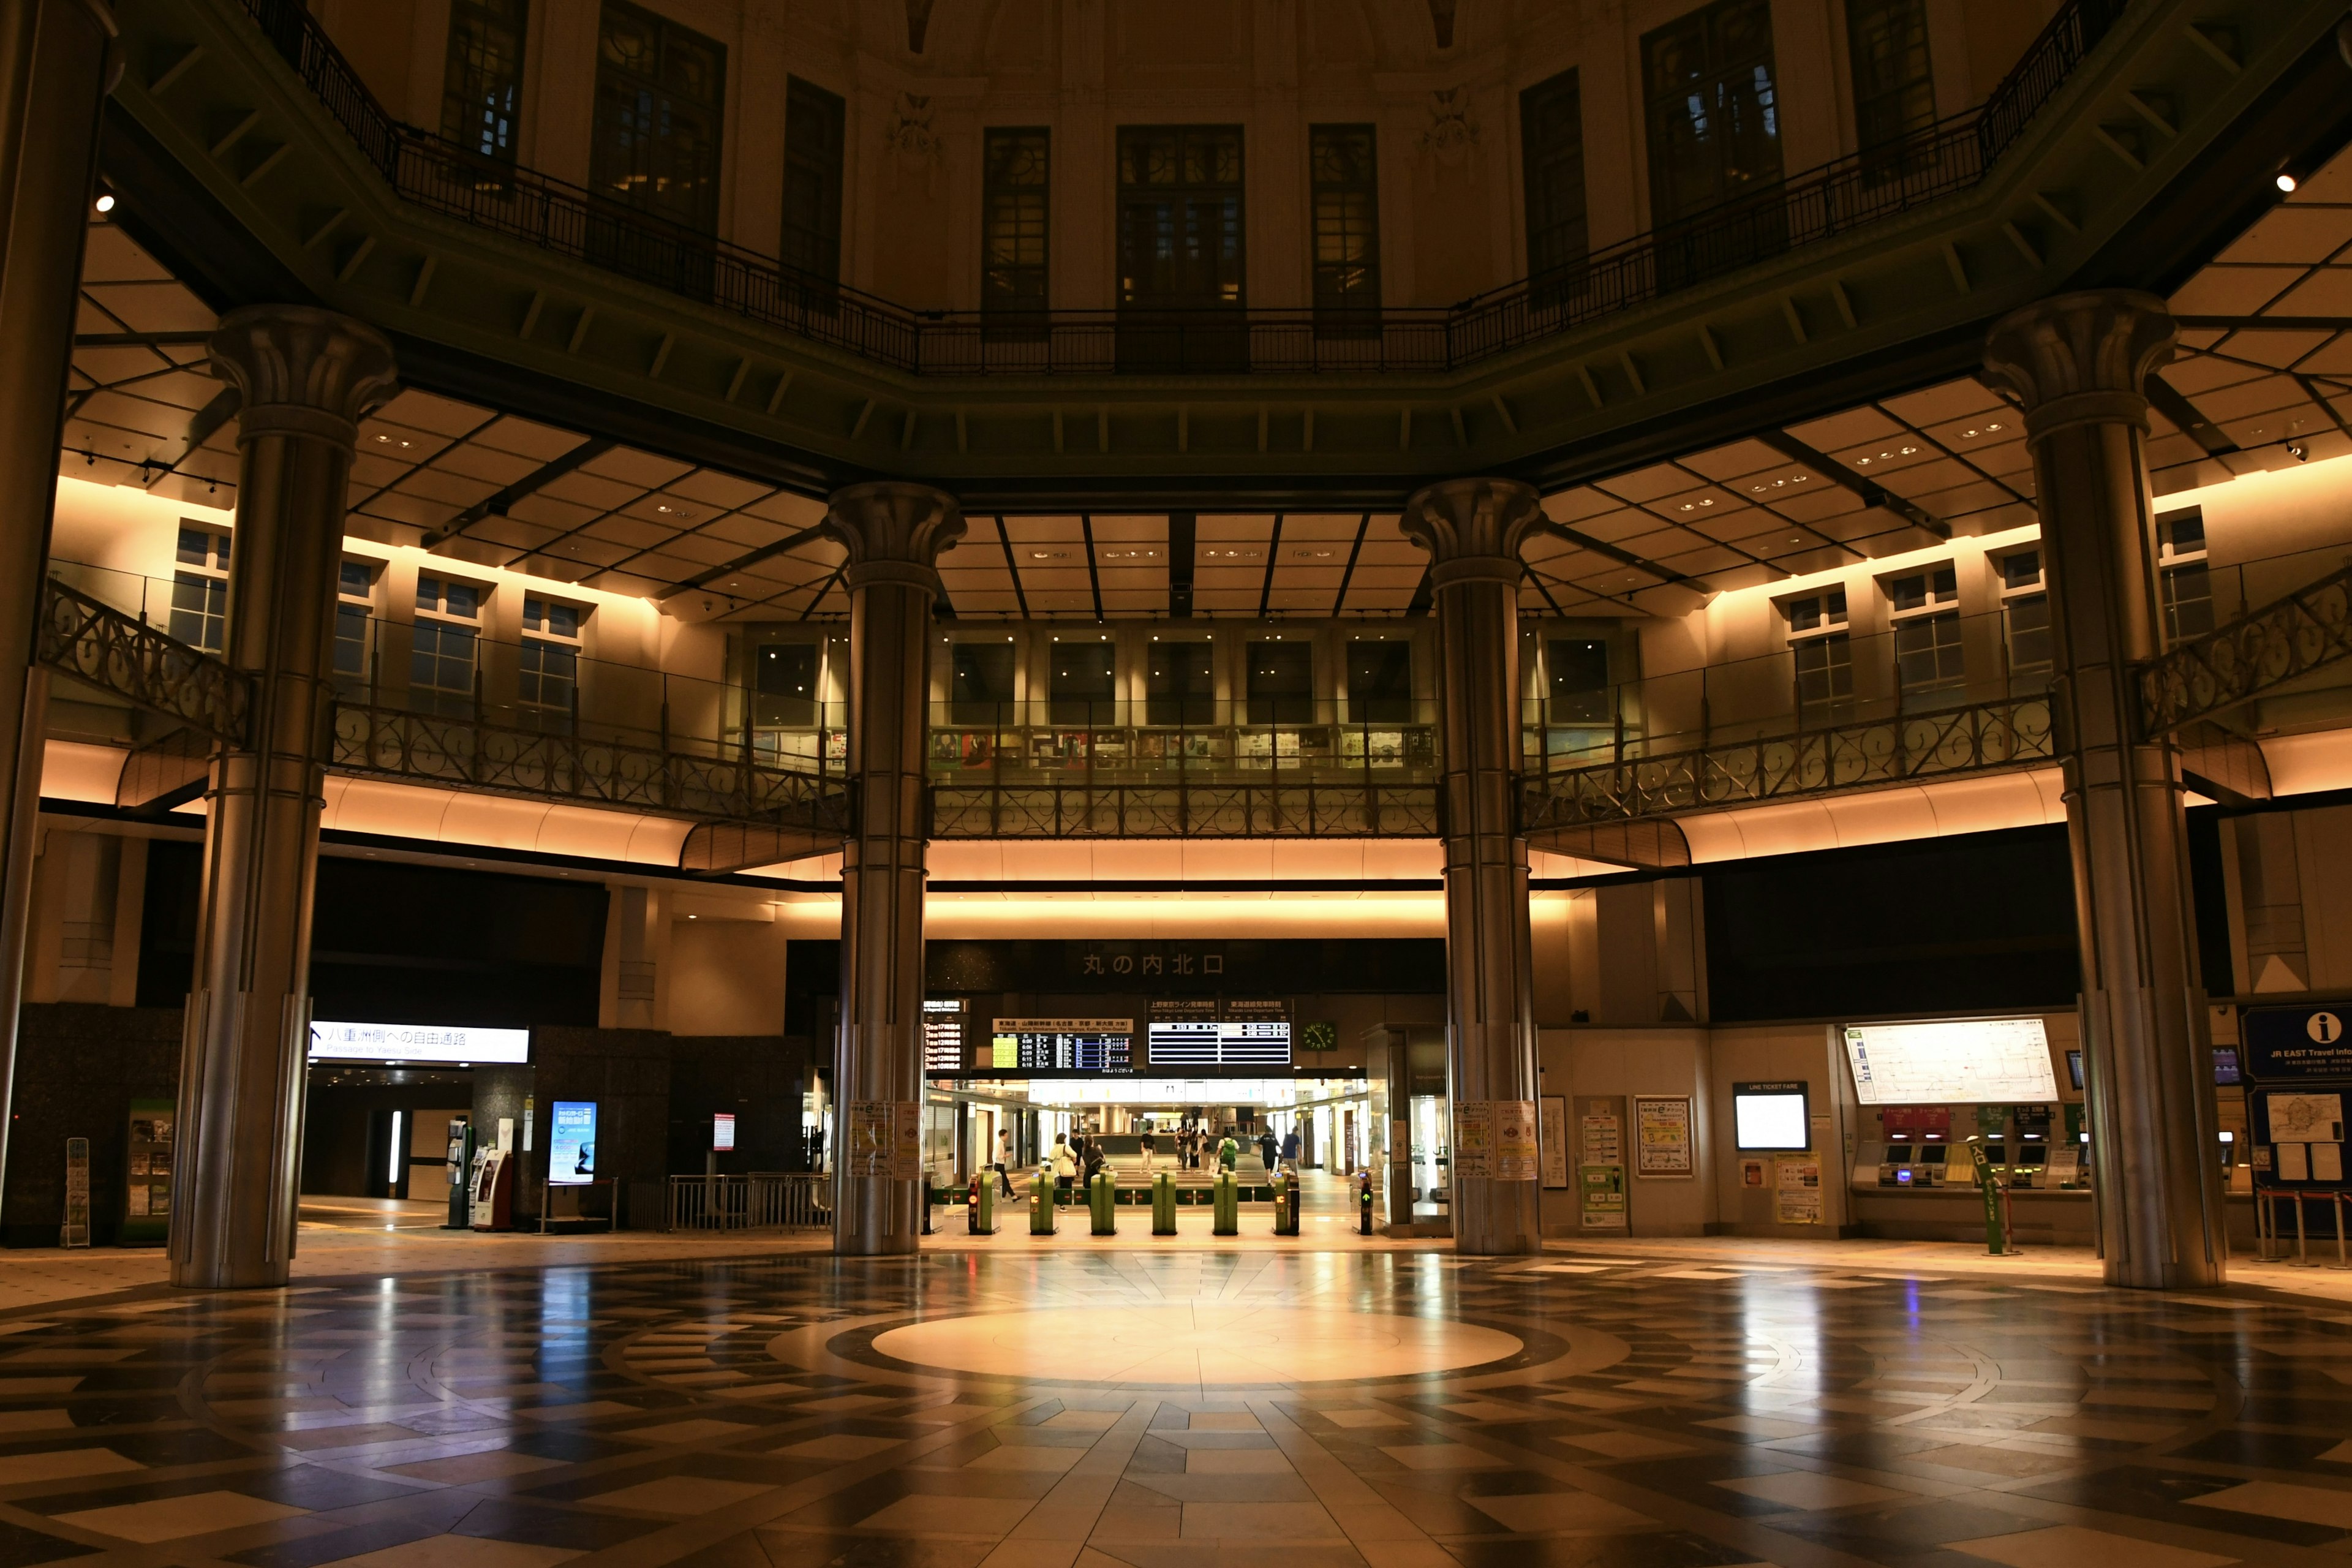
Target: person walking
1066,1169
1290,1147
1004,1162
1149,1148
1267,1149
1229,1152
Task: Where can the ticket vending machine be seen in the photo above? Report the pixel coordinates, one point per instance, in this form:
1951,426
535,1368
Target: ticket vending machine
461,1171
493,1194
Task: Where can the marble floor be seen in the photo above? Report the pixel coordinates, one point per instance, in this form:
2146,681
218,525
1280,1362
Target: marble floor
1087,1409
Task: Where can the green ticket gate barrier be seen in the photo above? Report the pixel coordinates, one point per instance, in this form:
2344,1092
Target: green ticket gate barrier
1163,1204
1286,1204
1227,1198
980,1205
1041,1203
1102,1198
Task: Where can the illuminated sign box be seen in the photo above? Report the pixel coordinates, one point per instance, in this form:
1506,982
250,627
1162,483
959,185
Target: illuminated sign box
1964,1061
1771,1116
406,1043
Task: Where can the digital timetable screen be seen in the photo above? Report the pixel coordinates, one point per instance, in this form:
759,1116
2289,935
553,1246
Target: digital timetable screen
943,1034
1208,1042
1060,1044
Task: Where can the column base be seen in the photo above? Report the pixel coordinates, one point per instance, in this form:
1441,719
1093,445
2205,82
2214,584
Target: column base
876,1216
1496,1219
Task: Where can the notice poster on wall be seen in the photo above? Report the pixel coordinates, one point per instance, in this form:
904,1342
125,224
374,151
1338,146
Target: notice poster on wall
1515,1141
1797,1189
572,1143
884,1138
1951,1062
1662,1136
1555,1140
1474,1139
1600,1200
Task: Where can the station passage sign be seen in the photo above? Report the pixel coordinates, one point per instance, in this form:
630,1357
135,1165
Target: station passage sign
418,1043
572,1143
1967,1061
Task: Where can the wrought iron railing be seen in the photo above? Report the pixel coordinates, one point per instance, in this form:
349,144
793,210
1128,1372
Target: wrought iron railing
474,755
1911,747
99,643
2258,652
571,220
1224,809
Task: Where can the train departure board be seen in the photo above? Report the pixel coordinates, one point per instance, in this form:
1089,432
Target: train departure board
943,1018
1060,1044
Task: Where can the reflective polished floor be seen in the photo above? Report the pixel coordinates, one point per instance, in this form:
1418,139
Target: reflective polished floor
1298,1409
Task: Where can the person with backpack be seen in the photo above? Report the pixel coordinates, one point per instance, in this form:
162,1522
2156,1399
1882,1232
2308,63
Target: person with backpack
1229,1152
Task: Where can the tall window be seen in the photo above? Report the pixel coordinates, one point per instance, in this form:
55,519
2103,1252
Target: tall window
1013,210
660,89
199,590
1576,672
1713,115
980,683
815,126
2025,623
1824,658
1180,684
1343,185
443,647
1551,149
1379,682
548,667
481,84
2187,583
1082,683
1893,90
1281,683
1180,247
354,612
1925,609
784,686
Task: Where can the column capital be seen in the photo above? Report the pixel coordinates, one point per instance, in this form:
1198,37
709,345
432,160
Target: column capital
302,370
1473,528
894,531
2084,358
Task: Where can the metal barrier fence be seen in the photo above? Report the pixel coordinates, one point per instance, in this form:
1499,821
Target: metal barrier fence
764,1200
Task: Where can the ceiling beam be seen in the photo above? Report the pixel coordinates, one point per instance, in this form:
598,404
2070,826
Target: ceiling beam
497,505
784,546
2168,401
1837,473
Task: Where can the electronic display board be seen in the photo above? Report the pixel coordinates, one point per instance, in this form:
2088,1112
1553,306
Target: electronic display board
1059,1045
943,1050
1206,1034
1980,1061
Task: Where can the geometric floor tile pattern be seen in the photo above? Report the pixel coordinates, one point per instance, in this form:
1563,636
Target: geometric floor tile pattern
1178,1410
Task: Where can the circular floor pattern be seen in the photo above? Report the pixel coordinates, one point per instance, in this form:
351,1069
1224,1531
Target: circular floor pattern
1202,1343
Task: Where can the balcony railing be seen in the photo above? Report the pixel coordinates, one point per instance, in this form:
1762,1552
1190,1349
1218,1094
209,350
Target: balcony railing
1940,159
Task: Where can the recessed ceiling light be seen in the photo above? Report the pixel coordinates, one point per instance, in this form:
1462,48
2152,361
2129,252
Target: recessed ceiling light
2285,183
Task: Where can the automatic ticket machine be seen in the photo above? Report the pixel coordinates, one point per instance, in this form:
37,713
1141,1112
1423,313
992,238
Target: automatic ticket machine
493,1190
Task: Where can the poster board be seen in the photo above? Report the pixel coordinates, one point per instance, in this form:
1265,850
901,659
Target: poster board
572,1143
1797,1189
1663,1147
1555,1142
1600,1163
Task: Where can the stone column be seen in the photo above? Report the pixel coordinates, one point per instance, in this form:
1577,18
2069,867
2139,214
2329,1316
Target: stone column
893,532
2078,365
307,376
58,62
1473,529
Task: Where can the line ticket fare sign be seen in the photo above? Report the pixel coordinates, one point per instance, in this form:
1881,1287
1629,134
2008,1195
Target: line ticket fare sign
1980,1061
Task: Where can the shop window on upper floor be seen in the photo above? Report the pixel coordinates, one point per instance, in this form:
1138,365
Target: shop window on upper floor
815,128
481,82
1281,682
444,645
981,683
1082,683
2025,622
1551,154
660,97
1924,608
2186,581
1015,222
1821,654
1713,123
547,664
1180,684
1575,681
1894,84
1343,180
1379,682
199,614
784,686
355,629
